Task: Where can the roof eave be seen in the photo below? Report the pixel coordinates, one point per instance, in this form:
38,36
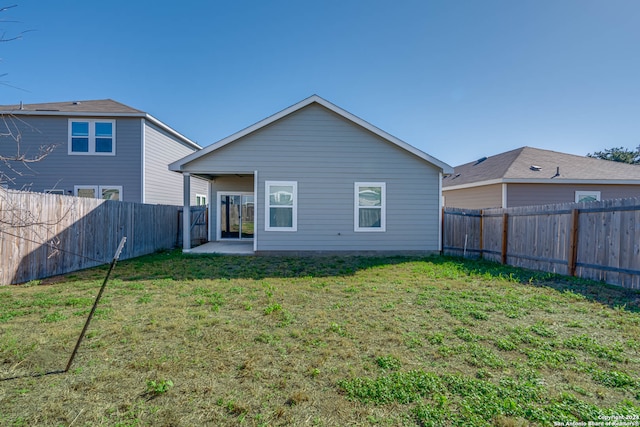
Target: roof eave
173,132
553,181
142,115
71,113
444,167
472,184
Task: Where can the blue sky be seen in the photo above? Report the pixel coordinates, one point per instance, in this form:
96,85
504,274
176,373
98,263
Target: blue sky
458,79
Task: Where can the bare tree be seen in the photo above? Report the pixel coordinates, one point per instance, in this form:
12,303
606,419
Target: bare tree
12,153
14,159
4,37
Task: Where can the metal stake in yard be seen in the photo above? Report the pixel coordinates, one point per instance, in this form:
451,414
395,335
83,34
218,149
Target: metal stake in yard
95,304
86,325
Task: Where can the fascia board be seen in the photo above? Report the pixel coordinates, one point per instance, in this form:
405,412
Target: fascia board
146,116
69,113
172,131
473,184
546,181
573,181
178,165
446,169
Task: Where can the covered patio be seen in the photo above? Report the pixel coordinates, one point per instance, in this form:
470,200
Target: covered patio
223,247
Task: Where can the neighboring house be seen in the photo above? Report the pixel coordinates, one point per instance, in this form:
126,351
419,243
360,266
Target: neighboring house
530,176
315,178
103,149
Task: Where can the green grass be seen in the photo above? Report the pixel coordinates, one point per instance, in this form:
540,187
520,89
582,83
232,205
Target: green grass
261,341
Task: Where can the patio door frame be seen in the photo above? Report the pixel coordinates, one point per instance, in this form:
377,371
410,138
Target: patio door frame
219,196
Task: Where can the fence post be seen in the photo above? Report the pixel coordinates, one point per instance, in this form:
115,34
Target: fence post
573,242
505,236
481,240
442,232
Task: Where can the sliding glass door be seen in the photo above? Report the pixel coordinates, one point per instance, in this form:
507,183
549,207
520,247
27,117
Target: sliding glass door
236,215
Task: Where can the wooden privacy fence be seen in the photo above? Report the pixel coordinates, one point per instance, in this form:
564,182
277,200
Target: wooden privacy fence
592,240
199,225
43,235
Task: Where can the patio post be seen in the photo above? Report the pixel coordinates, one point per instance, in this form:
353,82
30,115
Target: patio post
186,212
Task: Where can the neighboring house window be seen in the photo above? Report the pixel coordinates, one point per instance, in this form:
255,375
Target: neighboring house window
587,196
54,191
201,200
370,206
281,213
90,191
107,192
96,137
110,192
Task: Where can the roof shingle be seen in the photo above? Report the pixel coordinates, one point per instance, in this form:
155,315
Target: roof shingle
93,106
535,164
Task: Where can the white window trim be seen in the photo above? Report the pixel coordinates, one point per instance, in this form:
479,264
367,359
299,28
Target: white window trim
203,197
110,187
98,190
587,193
383,208
218,211
92,137
267,209
85,187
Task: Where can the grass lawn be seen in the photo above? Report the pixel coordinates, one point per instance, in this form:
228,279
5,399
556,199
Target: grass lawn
184,340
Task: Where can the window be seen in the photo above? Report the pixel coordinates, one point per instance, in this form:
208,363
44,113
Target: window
201,200
95,137
370,206
106,192
587,196
281,213
54,191
90,191
110,192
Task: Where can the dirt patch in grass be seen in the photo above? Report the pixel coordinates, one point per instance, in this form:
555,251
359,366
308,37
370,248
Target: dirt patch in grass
216,340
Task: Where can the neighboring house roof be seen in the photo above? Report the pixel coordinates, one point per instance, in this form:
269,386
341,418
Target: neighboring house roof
93,108
534,165
177,166
98,106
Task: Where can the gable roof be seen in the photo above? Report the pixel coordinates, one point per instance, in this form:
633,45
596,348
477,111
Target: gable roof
91,108
178,165
534,165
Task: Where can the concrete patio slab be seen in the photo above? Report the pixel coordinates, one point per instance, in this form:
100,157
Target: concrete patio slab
223,247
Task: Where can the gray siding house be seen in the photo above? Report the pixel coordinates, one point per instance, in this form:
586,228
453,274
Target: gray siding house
315,178
101,149
530,176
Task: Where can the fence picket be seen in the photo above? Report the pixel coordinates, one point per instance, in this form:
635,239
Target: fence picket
592,240
84,232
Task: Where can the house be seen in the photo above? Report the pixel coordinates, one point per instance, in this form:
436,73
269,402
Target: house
316,178
101,149
531,176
